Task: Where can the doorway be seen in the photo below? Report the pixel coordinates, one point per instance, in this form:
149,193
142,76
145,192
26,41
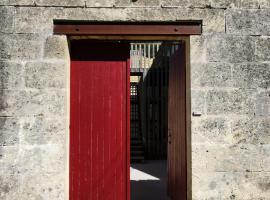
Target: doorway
128,103
157,109
140,82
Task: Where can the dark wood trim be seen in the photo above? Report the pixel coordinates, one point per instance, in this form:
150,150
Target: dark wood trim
174,29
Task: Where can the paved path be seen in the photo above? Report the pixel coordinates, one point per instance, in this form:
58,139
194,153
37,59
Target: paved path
149,180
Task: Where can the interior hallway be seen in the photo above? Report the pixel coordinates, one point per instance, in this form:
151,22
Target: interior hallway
149,180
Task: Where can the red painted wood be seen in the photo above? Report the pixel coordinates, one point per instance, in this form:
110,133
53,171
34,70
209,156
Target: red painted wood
99,121
177,157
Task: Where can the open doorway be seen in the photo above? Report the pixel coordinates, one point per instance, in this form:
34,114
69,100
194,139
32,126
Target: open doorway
118,87
151,69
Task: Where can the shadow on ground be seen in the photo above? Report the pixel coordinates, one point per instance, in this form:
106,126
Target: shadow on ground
149,181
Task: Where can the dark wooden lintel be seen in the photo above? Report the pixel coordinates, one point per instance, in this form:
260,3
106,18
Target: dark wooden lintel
129,29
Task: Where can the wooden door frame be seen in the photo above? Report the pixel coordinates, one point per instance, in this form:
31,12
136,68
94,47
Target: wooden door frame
146,31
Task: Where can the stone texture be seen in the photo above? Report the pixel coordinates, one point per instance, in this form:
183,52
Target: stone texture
136,3
20,47
251,75
40,130
17,2
56,47
11,75
226,158
43,159
100,3
198,49
198,101
251,130
9,159
9,186
237,101
186,3
214,130
9,131
228,48
66,3
211,75
40,20
262,50
235,3
262,103
6,19
45,75
248,22
36,20
213,20
32,102
264,3
232,185
42,186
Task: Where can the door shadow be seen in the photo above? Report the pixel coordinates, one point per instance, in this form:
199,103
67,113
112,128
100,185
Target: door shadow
149,180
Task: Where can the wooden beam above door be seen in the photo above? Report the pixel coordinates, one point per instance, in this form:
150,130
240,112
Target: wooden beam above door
128,29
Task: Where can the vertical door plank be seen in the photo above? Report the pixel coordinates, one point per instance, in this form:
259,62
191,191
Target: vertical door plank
177,125
99,127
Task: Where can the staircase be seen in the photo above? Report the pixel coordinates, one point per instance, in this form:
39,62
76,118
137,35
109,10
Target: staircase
136,150
136,143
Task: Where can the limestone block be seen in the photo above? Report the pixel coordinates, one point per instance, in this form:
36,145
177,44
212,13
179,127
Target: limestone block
17,2
56,47
262,103
9,159
262,50
236,101
43,186
251,75
228,158
213,19
37,19
11,75
231,185
211,75
6,19
197,49
100,3
198,101
248,22
228,48
9,186
251,130
32,102
186,3
20,47
40,130
43,159
45,74
235,3
66,3
11,102
9,131
40,20
211,130
136,3
264,3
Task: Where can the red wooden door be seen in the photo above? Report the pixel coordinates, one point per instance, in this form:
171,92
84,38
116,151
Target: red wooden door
177,164
99,125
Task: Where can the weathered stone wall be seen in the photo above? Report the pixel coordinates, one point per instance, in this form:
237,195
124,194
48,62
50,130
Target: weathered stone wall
230,78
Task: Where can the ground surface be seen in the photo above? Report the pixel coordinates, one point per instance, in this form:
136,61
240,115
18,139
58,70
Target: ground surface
149,180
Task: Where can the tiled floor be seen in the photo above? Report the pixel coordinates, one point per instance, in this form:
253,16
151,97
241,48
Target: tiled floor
149,180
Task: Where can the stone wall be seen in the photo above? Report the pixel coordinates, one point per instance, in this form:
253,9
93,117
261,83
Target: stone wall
230,78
